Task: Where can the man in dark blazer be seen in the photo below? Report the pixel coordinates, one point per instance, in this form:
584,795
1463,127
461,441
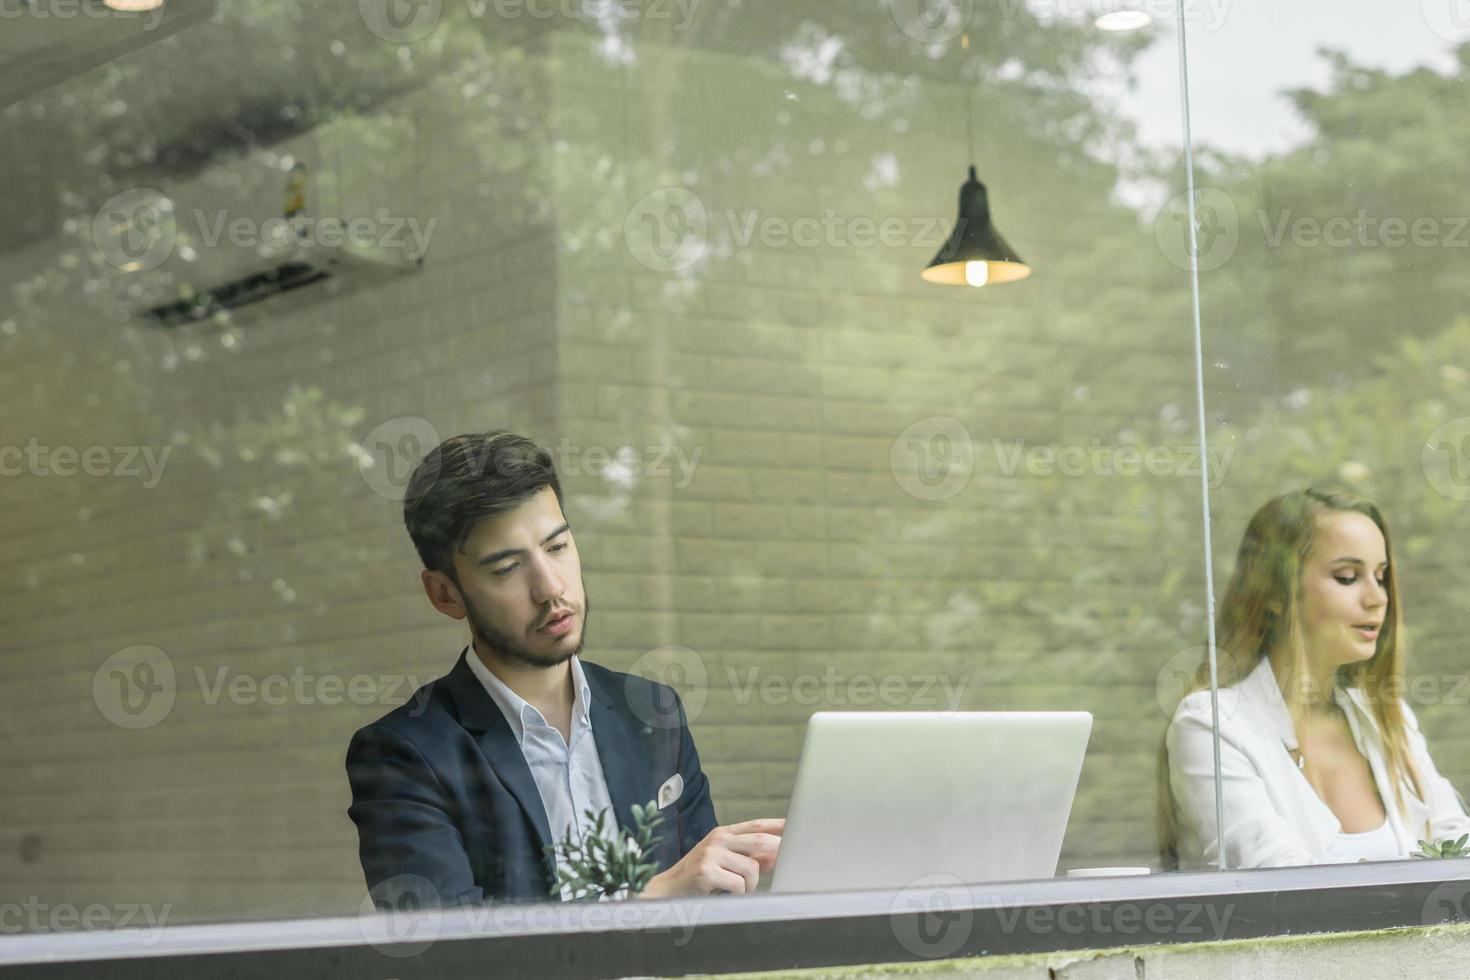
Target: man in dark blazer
457,793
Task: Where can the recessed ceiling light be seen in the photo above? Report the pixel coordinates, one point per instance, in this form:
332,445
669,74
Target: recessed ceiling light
133,6
1123,20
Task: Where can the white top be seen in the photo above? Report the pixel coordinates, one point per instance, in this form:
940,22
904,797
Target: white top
1370,845
569,779
1273,816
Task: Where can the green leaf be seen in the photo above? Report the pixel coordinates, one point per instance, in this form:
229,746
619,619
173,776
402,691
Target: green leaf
608,864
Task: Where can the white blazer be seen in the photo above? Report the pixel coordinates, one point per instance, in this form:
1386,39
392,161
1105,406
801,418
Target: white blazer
1273,816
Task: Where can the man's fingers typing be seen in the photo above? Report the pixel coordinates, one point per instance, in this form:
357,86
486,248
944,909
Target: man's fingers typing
761,825
724,880
746,868
761,847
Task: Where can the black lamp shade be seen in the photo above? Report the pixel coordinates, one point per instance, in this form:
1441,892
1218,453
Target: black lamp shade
975,254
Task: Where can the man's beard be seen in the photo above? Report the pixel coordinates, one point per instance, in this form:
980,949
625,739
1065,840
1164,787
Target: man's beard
512,650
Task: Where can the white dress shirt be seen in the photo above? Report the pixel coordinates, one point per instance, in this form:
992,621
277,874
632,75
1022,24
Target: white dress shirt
1273,816
1370,845
568,777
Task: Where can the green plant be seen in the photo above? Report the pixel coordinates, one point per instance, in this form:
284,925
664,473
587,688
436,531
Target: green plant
608,864
1444,848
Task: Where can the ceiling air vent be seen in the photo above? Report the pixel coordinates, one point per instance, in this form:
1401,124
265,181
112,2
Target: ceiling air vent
240,292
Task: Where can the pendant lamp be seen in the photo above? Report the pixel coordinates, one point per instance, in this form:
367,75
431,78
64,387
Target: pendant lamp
975,254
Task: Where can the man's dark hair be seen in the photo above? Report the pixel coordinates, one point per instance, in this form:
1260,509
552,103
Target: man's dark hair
466,479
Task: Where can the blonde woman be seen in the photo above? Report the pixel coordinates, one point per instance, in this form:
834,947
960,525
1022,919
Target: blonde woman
1321,760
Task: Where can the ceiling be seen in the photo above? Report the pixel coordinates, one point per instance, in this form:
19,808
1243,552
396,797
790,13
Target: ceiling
46,42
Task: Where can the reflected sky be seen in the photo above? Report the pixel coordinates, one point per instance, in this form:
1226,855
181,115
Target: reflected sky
1244,57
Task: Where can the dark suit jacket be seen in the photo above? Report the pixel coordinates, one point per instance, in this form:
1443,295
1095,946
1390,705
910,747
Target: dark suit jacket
447,811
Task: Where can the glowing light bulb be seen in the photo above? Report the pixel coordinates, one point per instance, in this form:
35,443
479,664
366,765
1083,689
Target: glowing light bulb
977,273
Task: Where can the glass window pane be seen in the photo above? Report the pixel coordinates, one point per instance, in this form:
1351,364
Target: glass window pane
1333,277
261,261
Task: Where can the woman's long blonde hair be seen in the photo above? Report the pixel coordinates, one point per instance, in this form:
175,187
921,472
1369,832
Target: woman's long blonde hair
1261,612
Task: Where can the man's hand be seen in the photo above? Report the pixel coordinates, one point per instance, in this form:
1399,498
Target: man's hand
729,859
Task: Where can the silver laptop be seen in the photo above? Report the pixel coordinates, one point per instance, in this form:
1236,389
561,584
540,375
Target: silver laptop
883,799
